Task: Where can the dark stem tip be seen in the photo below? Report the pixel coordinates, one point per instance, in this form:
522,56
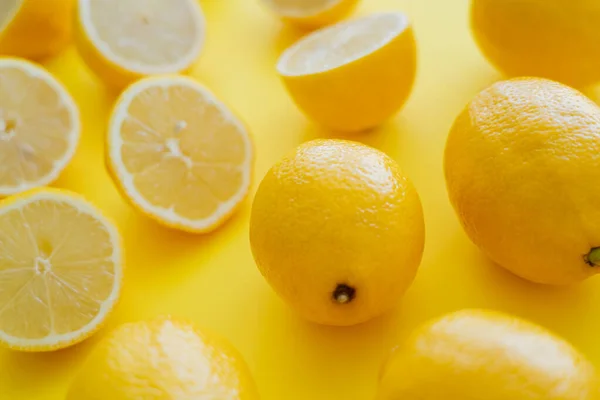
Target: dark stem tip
343,293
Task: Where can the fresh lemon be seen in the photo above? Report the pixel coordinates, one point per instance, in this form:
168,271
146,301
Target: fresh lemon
556,39
311,13
39,126
337,229
125,40
35,28
521,162
60,270
478,354
163,359
354,75
178,154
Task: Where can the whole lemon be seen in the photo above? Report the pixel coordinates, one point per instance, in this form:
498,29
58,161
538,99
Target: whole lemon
483,355
522,161
35,28
162,359
556,39
337,229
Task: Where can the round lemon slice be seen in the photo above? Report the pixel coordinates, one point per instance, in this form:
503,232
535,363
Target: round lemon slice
60,270
125,40
178,154
353,75
312,13
39,126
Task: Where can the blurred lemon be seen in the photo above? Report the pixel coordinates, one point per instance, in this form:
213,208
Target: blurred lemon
178,154
35,28
163,359
60,269
556,39
521,161
311,13
354,75
125,40
477,354
337,229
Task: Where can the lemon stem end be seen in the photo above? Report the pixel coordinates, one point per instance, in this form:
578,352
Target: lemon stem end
343,294
593,257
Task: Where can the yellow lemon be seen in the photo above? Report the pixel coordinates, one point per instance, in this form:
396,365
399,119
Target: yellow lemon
35,28
337,230
125,40
556,39
478,354
311,13
354,75
39,127
60,270
163,359
520,164
178,154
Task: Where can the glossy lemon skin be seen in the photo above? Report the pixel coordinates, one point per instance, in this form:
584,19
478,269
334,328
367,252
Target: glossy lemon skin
478,354
337,213
556,39
520,164
162,359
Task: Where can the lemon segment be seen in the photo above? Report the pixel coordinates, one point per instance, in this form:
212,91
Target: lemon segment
354,75
60,270
125,40
39,127
178,154
311,13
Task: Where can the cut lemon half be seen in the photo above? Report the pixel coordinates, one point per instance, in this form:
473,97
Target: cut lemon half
125,40
312,13
39,126
353,75
34,28
60,270
178,154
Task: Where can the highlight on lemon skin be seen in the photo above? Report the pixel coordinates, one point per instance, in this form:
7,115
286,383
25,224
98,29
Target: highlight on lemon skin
60,268
354,75
163,358
337,230
126,40
35,29
178,154
311,13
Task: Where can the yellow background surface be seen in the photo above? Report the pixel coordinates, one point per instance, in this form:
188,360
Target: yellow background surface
212,279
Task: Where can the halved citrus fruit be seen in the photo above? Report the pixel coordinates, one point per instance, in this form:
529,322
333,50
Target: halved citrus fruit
312,13
60,270
125,40
34,28
39,126
354,75
178,154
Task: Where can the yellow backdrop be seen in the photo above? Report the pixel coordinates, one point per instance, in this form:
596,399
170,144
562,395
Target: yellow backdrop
213,280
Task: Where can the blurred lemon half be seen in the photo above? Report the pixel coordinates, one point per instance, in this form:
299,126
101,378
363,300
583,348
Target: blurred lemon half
311,13
178,153
354,75
125,40
60,270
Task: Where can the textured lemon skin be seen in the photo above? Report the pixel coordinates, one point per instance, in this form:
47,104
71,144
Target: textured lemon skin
61,193
478,354
326,17
162,359
556,39
39,29
362,94
521,164
337,212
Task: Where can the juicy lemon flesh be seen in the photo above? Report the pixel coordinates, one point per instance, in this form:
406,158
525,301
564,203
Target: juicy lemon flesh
163,359
34,128
341,44
153,33
56,269
298,8
182,152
